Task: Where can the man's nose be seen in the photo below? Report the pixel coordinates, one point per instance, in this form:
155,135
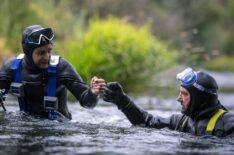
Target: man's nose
179,97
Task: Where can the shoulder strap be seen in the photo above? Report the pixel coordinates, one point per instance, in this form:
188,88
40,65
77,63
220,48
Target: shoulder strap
211,124
50,101
16,67
182,123
17,85
52,70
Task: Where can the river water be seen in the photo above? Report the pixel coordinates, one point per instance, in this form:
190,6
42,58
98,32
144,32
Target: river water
104,130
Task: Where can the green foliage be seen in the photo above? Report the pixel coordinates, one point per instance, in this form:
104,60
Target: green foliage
15,15
229,48
117,51
223,63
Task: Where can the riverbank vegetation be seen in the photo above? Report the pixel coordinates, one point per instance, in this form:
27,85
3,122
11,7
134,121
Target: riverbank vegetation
124,40
117,51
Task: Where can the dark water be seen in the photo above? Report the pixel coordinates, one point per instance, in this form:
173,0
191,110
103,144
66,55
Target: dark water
104,130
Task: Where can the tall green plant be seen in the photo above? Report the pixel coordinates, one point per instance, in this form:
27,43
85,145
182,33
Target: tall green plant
117,51
15,15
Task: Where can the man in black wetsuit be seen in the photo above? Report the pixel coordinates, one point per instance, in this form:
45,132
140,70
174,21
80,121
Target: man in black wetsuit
202,112
40,80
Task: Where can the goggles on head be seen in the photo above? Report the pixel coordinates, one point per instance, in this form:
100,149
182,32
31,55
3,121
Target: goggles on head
36,36
188,77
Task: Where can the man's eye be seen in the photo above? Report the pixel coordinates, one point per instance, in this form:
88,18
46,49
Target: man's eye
41,53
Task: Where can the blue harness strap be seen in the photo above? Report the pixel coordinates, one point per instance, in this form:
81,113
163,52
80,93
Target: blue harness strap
50,101
15,87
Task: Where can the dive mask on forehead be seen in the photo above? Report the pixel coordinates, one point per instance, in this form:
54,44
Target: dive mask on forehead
188,77
36,36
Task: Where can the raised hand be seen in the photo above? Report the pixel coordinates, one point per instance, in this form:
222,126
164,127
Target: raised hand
97,85
114,93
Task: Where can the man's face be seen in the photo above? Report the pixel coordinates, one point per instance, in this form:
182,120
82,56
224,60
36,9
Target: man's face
184,98
41,56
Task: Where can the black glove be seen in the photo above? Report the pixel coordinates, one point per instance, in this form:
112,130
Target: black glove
114,93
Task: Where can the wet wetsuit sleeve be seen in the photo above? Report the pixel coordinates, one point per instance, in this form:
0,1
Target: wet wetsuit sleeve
74,83
6,76
138,116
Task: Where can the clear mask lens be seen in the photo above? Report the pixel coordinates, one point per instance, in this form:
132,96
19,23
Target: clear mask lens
187,77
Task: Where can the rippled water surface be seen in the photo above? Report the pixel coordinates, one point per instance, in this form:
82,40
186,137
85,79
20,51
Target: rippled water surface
104,130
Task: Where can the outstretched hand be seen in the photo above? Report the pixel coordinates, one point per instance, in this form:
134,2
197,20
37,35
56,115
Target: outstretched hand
114,93
97,85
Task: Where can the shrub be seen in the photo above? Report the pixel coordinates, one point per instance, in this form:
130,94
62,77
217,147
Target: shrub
117,51
223,63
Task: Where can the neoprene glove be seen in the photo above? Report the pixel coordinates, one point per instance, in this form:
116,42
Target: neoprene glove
114,93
